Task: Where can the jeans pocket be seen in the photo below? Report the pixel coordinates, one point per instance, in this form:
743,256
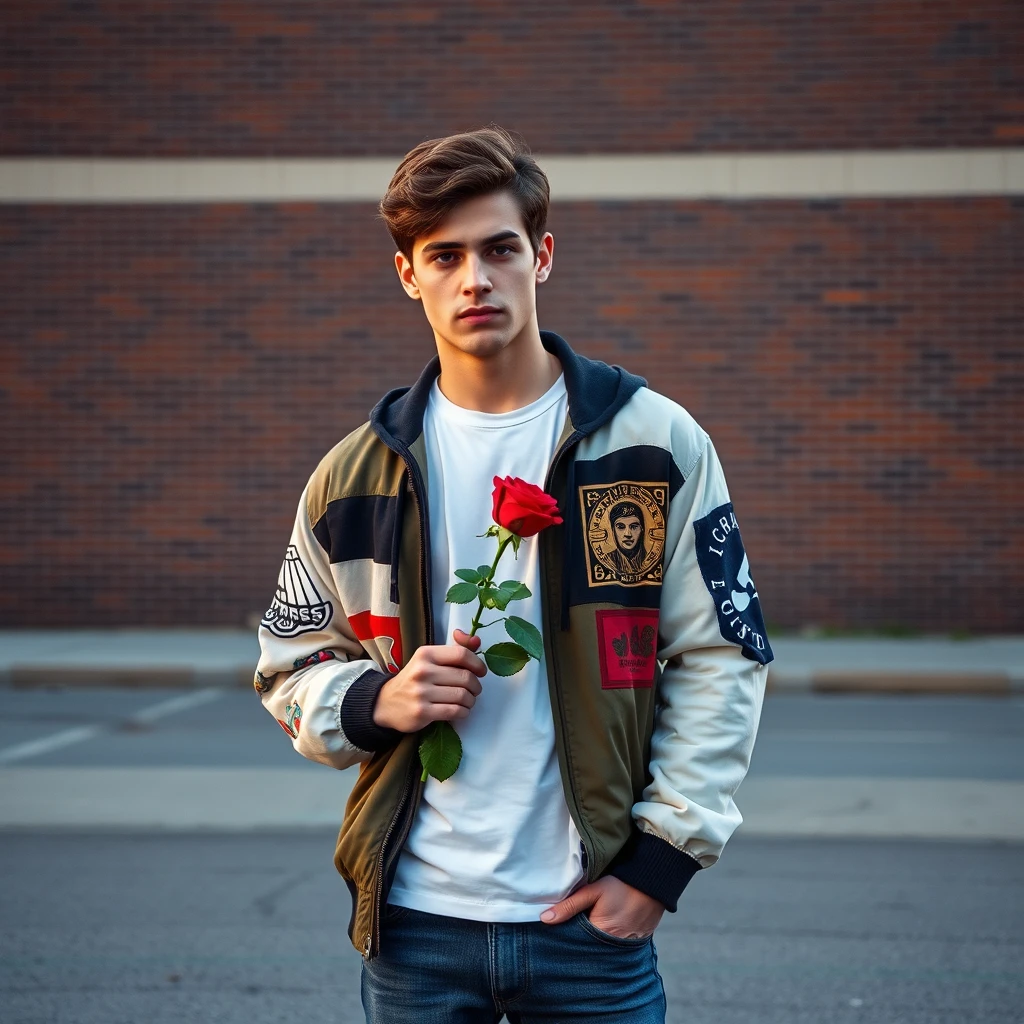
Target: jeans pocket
613,940
393,913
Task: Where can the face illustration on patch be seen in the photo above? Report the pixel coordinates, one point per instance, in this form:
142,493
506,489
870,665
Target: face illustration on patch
628,527
629,553
627,533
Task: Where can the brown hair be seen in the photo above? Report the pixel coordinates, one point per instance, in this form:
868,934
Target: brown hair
439,174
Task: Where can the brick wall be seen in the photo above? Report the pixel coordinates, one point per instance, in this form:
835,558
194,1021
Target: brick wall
172,374
351,77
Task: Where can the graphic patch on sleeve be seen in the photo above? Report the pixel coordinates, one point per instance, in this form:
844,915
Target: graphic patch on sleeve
382,631
263,683
297,606
315,658
627,640
293,721
726,571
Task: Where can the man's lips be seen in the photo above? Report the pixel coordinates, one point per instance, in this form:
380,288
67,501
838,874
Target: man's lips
479,314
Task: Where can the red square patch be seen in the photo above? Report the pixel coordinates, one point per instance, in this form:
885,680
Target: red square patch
627,639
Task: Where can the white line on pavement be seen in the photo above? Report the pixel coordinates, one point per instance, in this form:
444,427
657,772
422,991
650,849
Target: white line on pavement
68,737
176,704
857,735
33,748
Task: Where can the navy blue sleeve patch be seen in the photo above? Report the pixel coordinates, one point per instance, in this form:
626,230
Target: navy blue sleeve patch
726,571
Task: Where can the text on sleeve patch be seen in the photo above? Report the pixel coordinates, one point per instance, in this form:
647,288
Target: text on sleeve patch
297,606
726,571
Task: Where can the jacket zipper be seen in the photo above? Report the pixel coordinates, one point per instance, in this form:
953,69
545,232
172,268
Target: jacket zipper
372,945
585,837
375,927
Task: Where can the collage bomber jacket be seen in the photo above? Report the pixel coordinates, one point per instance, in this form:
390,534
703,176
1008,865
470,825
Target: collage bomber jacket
656,657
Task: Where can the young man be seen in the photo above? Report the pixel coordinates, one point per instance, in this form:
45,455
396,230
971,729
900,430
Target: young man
595,782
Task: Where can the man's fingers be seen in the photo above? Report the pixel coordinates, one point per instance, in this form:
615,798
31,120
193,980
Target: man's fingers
459,657
572,904
464,695
446,712
455,679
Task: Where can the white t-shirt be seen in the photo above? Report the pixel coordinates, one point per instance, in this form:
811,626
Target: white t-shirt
495,842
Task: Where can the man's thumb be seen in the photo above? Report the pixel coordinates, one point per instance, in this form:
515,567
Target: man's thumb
472,642
572,904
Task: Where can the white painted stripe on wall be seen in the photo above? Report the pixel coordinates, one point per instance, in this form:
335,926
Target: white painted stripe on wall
892,173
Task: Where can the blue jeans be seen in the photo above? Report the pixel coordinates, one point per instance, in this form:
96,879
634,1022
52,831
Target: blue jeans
445,970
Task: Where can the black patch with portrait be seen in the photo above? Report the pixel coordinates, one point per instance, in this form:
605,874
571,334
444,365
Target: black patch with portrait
726,571
616,514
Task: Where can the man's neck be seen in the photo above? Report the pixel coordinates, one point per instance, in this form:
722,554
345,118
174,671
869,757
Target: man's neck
510,379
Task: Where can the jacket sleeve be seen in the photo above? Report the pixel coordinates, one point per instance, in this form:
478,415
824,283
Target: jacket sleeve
313,675
715,651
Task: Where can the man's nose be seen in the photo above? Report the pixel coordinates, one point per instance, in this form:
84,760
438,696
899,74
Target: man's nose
476,276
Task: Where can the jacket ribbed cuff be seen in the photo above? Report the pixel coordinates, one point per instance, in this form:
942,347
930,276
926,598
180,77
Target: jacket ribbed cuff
357,714
654,867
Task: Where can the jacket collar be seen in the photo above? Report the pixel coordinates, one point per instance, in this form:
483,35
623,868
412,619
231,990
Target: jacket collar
595,391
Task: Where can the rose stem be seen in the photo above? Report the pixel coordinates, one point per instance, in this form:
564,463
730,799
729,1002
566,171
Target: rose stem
487,579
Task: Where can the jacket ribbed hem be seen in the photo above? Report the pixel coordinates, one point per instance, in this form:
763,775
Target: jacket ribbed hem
357,714
654,867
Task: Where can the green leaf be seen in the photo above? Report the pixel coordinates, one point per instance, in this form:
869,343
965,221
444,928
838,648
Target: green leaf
516,541
484,570
505,535
487,597
518,590
462,593
470,575
440,750
501,598
526,634
505,659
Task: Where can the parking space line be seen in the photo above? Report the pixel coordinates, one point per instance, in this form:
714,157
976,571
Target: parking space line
33,748
68,737
858,735
176,704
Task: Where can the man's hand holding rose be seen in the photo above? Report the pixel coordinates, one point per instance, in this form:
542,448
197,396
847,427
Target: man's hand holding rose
440,683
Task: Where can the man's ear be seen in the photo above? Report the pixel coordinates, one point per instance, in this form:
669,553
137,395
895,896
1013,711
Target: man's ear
545,257
406,275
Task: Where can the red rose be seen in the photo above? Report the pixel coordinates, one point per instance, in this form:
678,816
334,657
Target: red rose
522,507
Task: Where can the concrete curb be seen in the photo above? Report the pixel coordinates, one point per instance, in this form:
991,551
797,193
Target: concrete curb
169,658
231,800
782,680
977,684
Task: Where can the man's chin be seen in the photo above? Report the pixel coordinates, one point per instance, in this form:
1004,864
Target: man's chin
480,341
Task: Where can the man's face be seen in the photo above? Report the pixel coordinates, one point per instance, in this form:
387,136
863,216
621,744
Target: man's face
478,258
627,532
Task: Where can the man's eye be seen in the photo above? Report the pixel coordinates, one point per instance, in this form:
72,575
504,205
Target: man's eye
440,257
508,249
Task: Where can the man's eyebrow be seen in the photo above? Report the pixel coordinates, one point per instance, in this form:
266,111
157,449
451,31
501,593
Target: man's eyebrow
499,237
